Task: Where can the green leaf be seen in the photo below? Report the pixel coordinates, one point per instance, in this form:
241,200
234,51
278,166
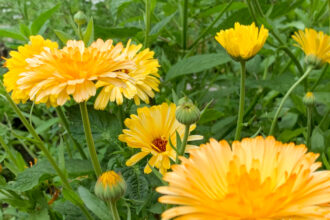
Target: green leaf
160,25
197,64
12,34
72,196
42,215
317,141
288,135
288,121
64,37
125,32
24,30
210,115
89,33
69,210
46,125
97,206
42,18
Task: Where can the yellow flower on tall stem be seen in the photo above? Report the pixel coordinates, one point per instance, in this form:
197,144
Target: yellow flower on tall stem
143,78
242,43
71,71
17,64
257,178
316,45
150,130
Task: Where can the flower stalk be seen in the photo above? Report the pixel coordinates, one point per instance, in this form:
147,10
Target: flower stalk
309,126
184,25
184,140
241,102
272,127
89,139
113,210
147,22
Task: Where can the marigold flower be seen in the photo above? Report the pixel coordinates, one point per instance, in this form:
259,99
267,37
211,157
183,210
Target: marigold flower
243,41
72,71
17,64
110,186
316,45
257,178
143,78
150,131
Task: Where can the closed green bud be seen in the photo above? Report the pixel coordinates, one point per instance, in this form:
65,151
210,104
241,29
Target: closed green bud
80,18
309,99
187,113
314,61
110,186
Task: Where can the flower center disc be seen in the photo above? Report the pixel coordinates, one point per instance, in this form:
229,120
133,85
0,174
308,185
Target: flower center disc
159,144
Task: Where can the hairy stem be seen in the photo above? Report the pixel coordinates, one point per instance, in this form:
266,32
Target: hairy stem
241,102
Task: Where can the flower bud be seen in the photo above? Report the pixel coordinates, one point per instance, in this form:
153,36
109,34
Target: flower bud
187,113
110,186
309,99
80,18
314,61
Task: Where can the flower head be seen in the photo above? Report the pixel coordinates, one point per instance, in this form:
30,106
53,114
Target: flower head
316,46
110,186
256,178
55,75
17,64
150,130
144,79
243,41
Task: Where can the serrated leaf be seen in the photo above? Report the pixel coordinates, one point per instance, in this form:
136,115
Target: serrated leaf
42,18
197,64
97,206
89,33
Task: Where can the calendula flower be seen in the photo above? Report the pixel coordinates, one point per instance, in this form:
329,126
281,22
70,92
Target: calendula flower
243,41
110,186
256,178
144,79
316,46
150,130
17,64
72,71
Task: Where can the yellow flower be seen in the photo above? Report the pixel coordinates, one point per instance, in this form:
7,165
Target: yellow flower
110,186
314,44
256,178
142,83
17,64
150,131
55,74
243,41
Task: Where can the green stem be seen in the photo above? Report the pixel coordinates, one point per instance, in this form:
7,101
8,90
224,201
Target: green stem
80,33
206,30
184,25
241,102
89,139
8,151
114,210
309,126
320,77
65,124
147,22
184,141
272,127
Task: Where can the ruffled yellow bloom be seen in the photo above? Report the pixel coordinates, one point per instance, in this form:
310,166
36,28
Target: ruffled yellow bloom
243,41
314,44
142,83
255,179
72,71
17,64
150,131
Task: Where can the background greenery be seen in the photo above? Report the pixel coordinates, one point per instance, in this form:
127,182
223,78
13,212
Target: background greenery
202,71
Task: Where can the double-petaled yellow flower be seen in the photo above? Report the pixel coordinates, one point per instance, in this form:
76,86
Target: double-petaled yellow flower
17,64
150,130
243,41
316,46
256,178
143,78
54,75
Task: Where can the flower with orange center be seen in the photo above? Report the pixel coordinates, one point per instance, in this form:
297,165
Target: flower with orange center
144,79
72,71
316,45
150,130
17,64
257,178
